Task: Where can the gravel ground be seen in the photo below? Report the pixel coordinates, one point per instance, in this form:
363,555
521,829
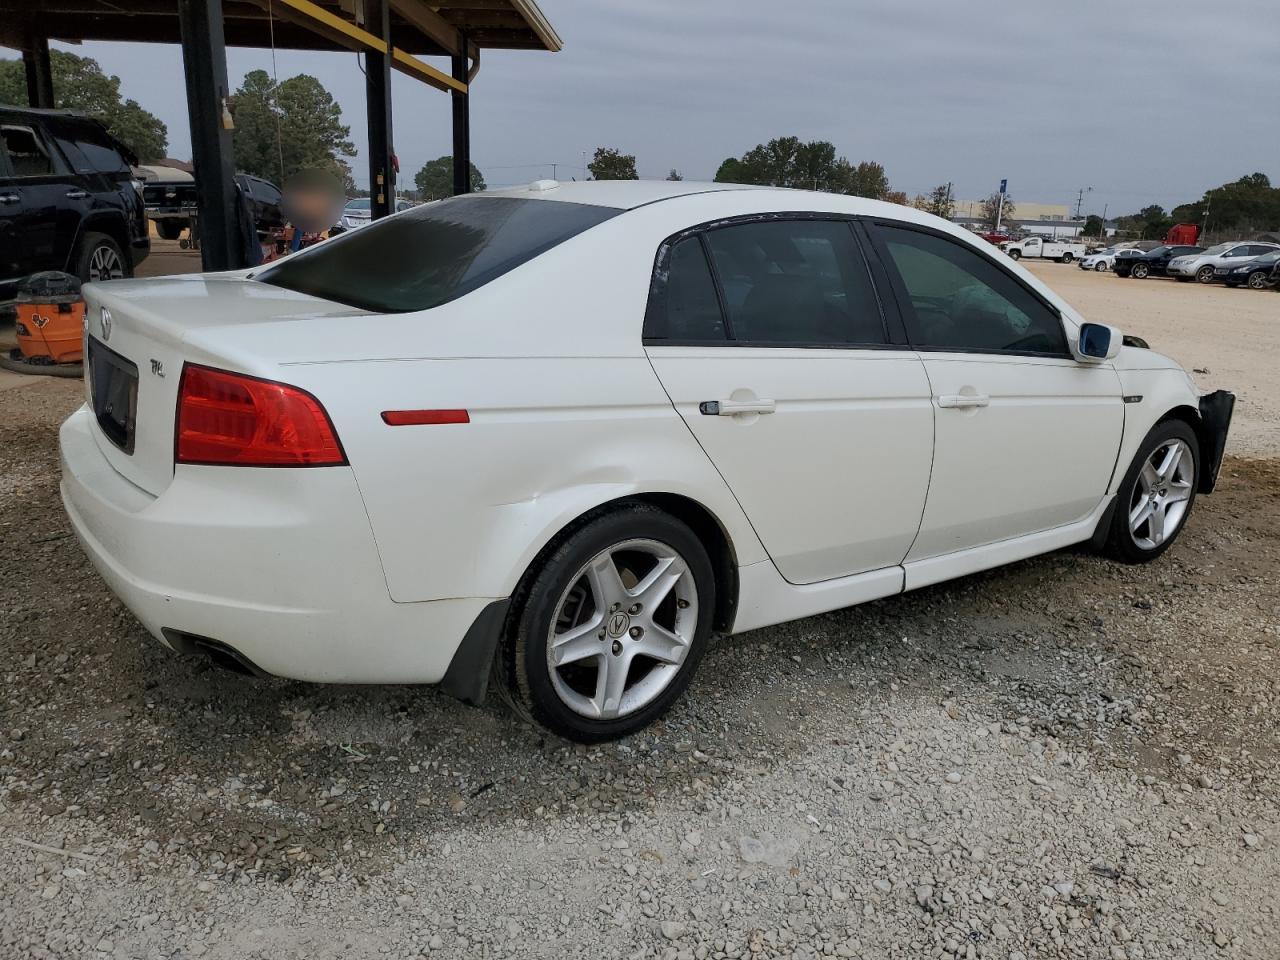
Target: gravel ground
1062,758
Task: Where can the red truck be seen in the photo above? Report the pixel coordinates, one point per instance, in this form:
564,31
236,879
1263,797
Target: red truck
1182,234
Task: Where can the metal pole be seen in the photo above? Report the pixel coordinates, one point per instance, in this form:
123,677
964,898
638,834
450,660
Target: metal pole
204,61
461,122
377,72
35,58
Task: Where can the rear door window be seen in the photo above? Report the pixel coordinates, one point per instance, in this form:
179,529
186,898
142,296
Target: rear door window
434,253
28,155
800,282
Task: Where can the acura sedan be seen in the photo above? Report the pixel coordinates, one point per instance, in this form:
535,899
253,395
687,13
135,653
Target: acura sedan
551,438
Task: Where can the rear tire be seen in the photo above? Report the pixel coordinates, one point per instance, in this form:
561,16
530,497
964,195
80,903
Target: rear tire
590,656
170,229
1068,257
101,259
1156,495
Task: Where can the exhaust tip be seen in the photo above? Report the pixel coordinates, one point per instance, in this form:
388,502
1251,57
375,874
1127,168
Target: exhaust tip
220,654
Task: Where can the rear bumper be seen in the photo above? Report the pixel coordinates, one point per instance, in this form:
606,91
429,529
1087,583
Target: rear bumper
280,566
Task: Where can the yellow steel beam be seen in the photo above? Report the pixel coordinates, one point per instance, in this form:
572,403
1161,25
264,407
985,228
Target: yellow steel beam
325,23
408,63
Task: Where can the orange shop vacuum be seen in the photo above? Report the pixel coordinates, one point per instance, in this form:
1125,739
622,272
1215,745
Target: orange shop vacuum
49,326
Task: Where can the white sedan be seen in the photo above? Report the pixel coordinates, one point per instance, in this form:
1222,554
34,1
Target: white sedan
1102,260
559,435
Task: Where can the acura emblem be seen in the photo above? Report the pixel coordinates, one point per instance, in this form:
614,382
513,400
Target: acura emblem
106,324
618,624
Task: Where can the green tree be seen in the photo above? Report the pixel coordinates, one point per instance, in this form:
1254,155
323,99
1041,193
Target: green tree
992,211
1093,226
790,162
80,85
611,164
939,201
1248,205
674,174
290,126
435,179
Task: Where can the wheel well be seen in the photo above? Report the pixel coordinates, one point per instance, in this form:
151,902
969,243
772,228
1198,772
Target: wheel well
696,517
1191,417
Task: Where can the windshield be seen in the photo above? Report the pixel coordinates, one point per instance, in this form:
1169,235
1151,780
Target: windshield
1159,251
434,253
1271,257
361,203
1218,248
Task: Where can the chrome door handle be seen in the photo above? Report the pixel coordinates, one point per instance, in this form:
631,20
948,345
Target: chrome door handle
961,400
731,408
9,198
77,194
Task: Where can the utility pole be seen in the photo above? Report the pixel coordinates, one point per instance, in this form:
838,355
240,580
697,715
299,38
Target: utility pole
1080,199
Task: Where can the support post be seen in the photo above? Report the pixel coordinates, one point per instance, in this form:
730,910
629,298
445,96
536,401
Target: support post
461,122
377,72
204,61
35,58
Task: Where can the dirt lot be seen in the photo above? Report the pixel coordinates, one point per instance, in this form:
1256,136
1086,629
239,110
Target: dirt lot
1063,758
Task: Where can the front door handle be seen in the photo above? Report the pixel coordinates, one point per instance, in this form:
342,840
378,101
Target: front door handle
77,194
962,400
732,408
9,198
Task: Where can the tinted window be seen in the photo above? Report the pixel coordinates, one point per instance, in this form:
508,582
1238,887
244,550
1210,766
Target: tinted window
684,305
795,281
434,253
102,157
960,300
27,155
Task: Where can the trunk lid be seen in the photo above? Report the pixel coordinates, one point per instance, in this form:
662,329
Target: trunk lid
138,336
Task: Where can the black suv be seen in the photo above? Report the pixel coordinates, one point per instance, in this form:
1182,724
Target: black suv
1139,265
68,200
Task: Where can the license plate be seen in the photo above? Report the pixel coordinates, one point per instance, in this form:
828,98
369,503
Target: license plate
113,383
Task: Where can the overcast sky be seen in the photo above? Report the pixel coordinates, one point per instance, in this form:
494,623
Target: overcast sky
1143,103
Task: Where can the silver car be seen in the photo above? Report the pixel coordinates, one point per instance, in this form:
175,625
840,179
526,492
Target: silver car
1200,266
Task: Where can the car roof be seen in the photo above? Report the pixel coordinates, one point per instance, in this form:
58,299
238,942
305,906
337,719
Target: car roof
621,194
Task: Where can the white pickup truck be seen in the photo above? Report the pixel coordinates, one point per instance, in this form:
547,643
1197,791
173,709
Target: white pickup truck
1061,250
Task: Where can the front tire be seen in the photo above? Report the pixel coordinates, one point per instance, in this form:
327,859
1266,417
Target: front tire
170,229
1257,280
1015,254
609,629
101,259
1156,495
1140,271
1204,275
1100,266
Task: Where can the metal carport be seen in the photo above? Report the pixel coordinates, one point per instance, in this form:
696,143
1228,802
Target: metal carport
392,35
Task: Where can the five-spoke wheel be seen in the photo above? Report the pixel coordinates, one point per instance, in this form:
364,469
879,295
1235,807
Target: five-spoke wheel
610,624
1156,494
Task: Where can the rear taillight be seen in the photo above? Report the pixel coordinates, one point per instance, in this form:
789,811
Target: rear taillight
230,419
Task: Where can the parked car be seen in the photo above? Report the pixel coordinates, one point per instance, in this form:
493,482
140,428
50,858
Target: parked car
68,200
1152,263
359,212
1102,259
516,434
1256,273
1201,266
264,201
170,197
1064,251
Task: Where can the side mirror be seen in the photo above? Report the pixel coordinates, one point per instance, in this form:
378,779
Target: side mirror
1098,342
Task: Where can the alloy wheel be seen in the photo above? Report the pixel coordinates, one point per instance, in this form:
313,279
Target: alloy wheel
104,264
1161,494
1257,280
622,629
1140,271
1205,275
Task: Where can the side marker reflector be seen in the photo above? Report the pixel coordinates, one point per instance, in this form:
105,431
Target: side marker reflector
415,418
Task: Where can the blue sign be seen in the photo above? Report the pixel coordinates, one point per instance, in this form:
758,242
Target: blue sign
1004,186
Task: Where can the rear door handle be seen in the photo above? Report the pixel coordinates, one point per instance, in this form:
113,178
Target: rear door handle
961,400
9,198
77,194
731,408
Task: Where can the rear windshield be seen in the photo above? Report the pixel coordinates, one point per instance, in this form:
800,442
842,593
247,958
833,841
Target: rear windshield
434,253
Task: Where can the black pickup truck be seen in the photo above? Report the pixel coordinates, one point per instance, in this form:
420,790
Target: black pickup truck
1140,265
